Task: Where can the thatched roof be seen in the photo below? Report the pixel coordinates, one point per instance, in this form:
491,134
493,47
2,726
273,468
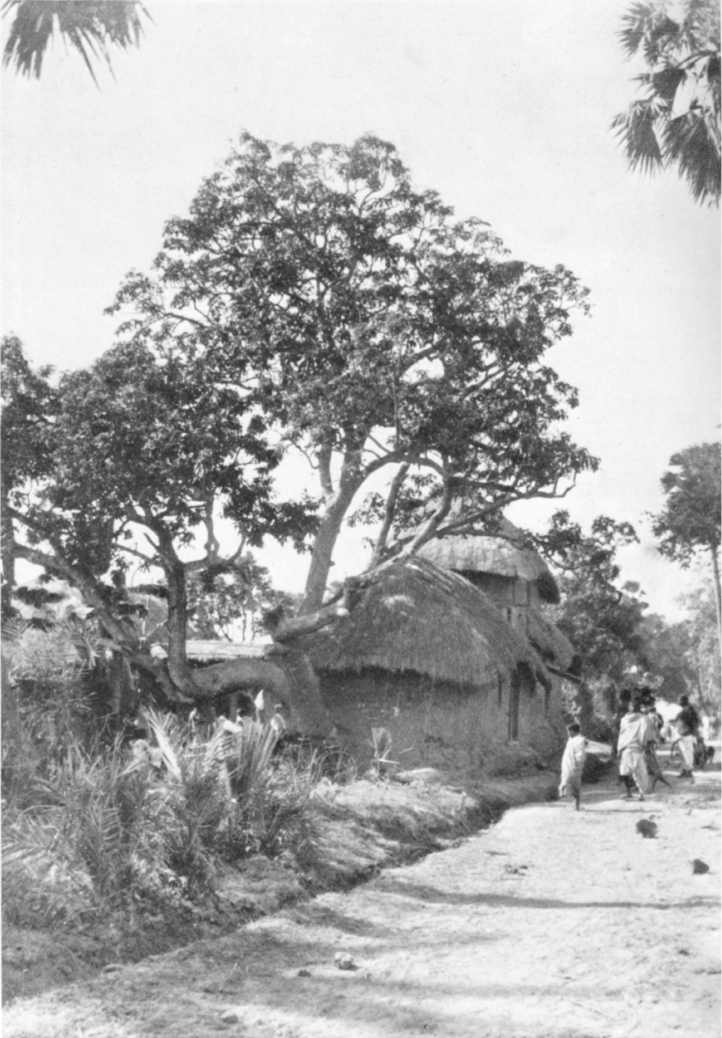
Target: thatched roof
418,617
500,554
222,650
549,641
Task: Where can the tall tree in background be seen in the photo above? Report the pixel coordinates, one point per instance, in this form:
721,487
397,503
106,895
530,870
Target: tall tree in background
90,26
601,619
702,655
665,653
676,123
376,331
691,521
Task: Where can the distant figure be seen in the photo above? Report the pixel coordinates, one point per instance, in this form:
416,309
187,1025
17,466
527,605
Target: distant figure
651,736
575,753
687,727
630,746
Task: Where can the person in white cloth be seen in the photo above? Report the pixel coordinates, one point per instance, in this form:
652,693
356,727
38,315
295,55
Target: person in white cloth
630,746
575,753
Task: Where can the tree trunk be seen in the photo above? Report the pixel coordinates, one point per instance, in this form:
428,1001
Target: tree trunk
8,556
714,551
337,506
181,673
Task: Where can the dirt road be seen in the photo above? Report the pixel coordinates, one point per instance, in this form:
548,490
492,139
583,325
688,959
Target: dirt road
552,924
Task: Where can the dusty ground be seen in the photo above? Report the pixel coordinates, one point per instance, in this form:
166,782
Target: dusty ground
552,924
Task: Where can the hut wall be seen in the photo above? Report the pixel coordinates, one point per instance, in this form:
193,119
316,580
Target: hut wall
441,725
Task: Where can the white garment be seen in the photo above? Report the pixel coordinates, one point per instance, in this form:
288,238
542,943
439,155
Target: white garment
575,753
686,745
632,733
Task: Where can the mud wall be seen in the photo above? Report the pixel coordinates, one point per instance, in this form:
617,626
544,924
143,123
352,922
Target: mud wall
445,726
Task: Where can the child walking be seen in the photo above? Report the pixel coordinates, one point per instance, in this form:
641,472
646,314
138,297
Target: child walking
575,753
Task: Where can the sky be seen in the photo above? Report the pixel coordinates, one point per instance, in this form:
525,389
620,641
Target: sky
503,106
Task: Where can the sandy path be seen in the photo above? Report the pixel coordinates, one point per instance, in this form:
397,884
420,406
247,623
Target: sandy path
553,924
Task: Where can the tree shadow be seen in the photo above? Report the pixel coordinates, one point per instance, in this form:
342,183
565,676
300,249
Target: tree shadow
423,892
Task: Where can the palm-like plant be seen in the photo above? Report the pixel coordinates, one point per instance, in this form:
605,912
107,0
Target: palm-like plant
677,121
89,26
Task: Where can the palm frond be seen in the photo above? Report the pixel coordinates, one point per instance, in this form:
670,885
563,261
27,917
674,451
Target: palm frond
89,26
633,29
637,130
692,141
667,81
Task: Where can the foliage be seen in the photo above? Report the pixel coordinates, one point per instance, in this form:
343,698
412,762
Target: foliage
225,595
116,828
691,521
381,744
141,451
371,329
29,405
665,651
677,121
692,517
89,26
46,674
702,655
83,835
600,619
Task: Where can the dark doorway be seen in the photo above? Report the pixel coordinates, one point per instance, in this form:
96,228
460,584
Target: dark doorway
514,706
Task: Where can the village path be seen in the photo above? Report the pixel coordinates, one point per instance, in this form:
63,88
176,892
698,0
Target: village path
552,924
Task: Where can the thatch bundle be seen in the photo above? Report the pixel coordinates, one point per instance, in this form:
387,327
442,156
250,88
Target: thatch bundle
418,617
552,645
499,554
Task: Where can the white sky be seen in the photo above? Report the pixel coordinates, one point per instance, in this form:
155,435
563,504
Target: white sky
503,106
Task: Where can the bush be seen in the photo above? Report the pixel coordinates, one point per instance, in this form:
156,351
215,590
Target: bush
46,675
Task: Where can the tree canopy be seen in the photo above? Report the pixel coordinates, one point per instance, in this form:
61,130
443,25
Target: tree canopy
691,521
600,618
136,457
374,330
676,123
702,654
89,26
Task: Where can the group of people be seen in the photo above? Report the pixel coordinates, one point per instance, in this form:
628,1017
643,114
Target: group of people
639,728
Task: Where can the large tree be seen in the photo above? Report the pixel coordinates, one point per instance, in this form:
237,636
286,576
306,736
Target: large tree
702,655
377,333
601,618
91,27
29,408
676,123
135,461
691,521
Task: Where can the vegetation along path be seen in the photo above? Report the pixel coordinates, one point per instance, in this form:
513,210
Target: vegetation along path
552,924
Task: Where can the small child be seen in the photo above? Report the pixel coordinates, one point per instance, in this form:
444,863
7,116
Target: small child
575,753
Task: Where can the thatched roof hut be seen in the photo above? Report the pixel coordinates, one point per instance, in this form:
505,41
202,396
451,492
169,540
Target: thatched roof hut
420,618
500,554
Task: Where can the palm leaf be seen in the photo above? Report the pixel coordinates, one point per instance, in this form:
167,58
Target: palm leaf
693,142
87,25
637,130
